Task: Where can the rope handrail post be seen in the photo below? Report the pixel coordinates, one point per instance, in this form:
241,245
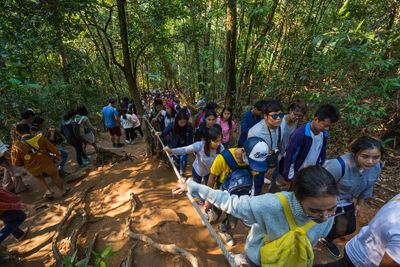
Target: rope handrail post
219,242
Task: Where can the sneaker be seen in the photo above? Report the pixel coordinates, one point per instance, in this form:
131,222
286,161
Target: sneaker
84,163
98,147
212,216
120,145
114,145
247,223
88,157
132,142
127,141
226,237
59,168
332,248
267,181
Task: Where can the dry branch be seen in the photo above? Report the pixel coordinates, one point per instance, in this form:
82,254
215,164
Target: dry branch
169,248
89,252
387,188
56,251
75,232
128,261
133,202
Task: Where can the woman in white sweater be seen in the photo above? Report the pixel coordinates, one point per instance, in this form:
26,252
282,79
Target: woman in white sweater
314,198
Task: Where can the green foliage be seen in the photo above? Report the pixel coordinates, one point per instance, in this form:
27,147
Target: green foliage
68,261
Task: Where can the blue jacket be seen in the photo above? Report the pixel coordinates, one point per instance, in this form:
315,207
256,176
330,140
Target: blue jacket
248,121
299,145
175,137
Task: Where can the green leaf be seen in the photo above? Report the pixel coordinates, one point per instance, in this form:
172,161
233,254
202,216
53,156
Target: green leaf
106,251
343,8
111,254
103,264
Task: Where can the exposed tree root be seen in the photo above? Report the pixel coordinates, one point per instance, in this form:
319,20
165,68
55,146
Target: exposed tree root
105,156
56,251
90,249
128,261
133,201
169,248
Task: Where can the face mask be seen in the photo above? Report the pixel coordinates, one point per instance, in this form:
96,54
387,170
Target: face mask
246,160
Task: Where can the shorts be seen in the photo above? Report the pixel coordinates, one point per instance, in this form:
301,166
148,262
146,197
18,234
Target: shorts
50,170
114,131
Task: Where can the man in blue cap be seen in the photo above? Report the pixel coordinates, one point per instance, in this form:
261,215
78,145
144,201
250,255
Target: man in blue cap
233,171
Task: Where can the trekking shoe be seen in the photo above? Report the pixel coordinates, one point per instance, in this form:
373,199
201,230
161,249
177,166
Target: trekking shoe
332,248
120,145
226,237
212,216
84,163
127,141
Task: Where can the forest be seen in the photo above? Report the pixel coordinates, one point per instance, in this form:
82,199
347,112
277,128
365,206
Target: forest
58,54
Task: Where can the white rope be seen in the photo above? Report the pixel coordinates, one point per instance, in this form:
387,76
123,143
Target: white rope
221,245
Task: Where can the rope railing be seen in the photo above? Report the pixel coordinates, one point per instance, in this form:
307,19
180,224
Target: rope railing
221,245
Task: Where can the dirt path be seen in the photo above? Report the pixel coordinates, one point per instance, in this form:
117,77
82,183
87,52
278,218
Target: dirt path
163,218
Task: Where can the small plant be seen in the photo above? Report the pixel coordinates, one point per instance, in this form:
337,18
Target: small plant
68,261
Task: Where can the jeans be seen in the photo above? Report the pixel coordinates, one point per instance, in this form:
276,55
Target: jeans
80,154
182,159
197,178
344,224
64,157
12,219
258,183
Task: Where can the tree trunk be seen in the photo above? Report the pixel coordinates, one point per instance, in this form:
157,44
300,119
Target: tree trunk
230,56
129,72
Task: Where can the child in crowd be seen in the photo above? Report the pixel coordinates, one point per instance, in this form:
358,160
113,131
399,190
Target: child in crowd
87,130
137,126
37,155
127,122
249,119
169,114
313,202
181,132
269,129
243,163
356,174
37,127
12,215
209,122
228,126
377,244
158,115
307,145
70,130
296,110
12,180
206,151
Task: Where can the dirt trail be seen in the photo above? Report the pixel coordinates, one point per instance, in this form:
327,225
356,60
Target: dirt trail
164,219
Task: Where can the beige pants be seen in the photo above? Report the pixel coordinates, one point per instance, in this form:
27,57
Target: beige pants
14,183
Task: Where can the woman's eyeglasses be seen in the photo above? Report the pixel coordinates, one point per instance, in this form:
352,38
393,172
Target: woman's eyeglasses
341,212
275,116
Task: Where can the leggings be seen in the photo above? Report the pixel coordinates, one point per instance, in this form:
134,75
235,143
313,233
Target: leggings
344,224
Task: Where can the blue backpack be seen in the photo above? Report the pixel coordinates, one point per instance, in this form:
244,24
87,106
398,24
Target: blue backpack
240,181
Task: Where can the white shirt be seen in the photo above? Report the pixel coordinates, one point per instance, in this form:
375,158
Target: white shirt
315,150
128,122
380,236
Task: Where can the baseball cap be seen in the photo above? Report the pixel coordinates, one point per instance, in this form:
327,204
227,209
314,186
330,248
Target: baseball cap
256,151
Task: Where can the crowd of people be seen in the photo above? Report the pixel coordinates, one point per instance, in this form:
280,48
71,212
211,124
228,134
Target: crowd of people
275,178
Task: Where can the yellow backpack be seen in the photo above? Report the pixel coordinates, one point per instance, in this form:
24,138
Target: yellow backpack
293,248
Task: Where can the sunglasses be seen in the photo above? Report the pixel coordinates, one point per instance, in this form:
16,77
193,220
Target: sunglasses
275,116
341,212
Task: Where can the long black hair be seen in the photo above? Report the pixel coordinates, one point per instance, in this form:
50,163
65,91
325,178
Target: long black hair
230,117
176,129
314,181
124,111
81,110
212,134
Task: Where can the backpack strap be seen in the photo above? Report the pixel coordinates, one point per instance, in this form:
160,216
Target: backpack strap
289,215
288,212
229,159
341,162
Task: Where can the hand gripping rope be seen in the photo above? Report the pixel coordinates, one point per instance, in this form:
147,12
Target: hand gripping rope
221,245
